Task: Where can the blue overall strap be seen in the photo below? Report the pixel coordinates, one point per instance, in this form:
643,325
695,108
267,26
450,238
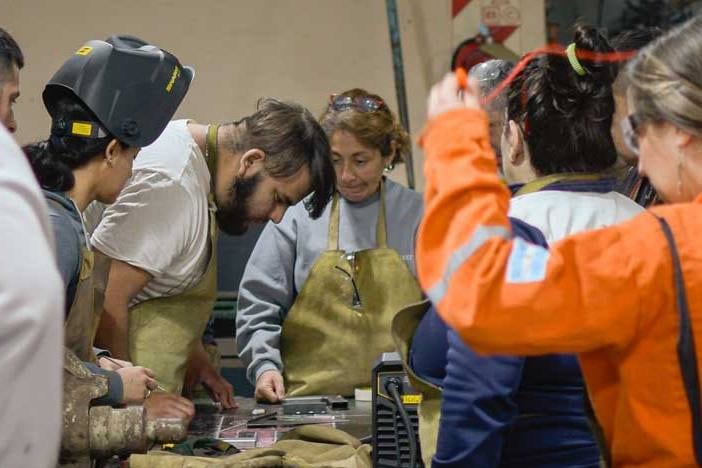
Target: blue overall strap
599,185
686,345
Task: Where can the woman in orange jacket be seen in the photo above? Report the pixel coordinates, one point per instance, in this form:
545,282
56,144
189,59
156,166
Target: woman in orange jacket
616,296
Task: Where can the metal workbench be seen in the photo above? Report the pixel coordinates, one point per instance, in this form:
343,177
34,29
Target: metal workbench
210,421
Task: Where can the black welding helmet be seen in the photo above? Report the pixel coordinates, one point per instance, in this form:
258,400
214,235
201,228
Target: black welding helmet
133,89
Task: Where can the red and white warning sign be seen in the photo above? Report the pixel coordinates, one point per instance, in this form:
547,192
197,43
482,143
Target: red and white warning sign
499,13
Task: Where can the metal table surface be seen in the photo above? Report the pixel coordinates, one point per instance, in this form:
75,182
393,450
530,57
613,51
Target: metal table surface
231,425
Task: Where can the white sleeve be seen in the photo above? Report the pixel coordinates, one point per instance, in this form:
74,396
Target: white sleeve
147,226
31,318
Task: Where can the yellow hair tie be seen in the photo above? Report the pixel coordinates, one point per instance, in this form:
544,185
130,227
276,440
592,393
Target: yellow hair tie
573,59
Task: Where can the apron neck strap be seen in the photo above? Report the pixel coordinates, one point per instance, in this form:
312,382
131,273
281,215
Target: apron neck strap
543,182
211,150
381,233
380,230
333,236
211,157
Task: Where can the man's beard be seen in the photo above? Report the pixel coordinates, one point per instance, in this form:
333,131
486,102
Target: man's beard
234,213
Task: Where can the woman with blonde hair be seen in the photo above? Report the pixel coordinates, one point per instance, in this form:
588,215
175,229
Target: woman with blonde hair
621,297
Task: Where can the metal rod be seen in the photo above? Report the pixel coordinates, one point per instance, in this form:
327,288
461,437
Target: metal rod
158,386
399,69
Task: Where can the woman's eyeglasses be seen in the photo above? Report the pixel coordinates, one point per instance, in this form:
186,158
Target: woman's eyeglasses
630,126
340,102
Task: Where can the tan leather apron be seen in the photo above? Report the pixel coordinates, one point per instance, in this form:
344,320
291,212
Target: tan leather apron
404,326
340,321
164,331
84,315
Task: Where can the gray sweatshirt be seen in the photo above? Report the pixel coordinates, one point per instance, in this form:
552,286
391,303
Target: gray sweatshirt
285,253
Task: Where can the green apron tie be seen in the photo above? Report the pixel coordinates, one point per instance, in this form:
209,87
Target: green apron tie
542,182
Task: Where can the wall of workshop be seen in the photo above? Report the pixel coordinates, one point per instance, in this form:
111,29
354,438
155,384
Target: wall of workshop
244,49
301,50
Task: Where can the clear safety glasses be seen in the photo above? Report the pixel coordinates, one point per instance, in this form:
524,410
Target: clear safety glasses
340,102
630,127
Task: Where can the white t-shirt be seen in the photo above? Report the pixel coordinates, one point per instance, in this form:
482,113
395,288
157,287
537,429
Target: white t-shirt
31,319
159,222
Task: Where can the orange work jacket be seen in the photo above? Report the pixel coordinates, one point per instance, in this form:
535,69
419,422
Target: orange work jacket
607,294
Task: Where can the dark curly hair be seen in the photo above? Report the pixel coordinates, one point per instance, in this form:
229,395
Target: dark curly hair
292,139
567,118
54,159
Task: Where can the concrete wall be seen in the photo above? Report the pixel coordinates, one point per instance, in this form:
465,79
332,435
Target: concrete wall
244,49
302,50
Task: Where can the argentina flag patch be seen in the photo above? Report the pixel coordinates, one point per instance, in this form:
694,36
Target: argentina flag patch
527,262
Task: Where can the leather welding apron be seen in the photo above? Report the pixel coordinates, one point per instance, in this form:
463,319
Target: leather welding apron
340,321
164,331
404,326
84,315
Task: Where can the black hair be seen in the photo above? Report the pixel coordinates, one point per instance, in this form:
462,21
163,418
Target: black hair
10,53
635,39
632,40
291,138
567,118
53,160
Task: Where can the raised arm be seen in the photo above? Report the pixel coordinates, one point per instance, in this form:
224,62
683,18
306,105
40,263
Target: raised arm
510,296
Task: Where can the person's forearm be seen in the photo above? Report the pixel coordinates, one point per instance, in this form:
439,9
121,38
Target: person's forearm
124,282
198,356
112,334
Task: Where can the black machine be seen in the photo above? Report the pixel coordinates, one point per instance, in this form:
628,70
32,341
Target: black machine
395,420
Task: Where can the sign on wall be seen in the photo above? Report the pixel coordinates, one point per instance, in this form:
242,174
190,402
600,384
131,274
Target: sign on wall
481,28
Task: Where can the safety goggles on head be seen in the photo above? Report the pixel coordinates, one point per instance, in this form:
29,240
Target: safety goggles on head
340,102
630,126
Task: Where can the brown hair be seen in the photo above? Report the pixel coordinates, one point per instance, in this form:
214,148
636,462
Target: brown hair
665,78
377,129
292,139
